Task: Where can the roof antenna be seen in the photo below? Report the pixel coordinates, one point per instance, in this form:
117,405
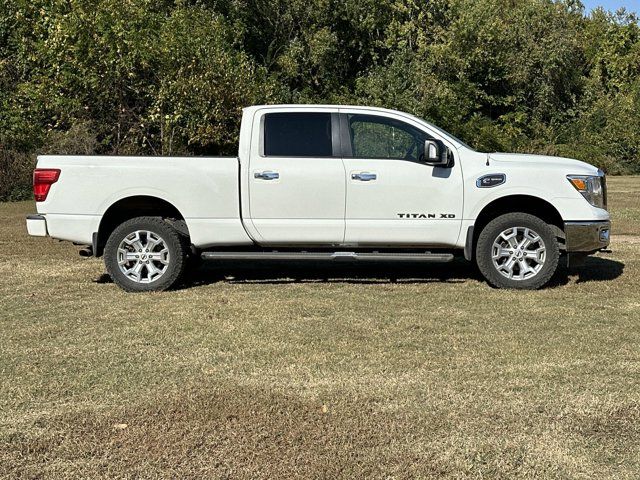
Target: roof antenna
487,160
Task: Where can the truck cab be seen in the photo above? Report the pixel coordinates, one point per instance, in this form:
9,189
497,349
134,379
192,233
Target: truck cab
326,182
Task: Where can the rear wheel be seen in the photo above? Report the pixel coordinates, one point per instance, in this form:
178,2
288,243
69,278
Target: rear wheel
145,254
517,250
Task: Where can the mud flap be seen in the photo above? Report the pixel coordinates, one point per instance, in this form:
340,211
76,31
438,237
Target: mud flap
576,259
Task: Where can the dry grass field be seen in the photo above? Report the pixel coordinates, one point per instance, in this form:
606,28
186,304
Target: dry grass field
316,371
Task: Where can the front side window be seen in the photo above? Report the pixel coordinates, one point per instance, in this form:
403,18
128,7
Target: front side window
381,137
297,134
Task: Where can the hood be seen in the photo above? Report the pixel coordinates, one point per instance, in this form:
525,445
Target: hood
569,165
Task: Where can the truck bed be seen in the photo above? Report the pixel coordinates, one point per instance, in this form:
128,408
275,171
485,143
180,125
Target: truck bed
205,191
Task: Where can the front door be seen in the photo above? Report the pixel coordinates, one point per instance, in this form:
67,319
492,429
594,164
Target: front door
296,178
393,197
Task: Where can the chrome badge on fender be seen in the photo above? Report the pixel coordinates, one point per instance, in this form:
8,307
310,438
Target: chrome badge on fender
491,180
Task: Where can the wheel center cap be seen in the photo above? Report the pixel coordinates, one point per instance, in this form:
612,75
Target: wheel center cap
144,257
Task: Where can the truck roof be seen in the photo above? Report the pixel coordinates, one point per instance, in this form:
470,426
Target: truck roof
454,139
314,105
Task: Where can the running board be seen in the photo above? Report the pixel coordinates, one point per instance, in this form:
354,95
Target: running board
359,256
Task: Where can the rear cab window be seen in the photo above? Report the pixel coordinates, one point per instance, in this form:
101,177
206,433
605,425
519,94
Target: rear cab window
297,134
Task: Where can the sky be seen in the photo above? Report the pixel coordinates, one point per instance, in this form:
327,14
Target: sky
630,5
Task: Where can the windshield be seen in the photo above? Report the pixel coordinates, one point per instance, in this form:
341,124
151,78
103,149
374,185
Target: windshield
445,133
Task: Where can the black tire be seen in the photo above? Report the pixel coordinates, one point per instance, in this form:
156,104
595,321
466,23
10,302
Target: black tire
174,264
484,250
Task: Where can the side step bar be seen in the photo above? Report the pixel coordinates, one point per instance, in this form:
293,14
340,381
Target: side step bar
358,256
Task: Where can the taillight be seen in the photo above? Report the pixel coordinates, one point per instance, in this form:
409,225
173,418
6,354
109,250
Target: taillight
43,178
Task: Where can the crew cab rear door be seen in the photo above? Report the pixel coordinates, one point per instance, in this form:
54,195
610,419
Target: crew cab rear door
394,198
296,177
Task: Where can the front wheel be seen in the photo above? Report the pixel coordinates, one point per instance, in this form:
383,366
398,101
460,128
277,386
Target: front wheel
145,254
517,250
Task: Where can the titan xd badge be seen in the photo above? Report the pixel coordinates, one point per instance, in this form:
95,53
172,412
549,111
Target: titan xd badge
426,215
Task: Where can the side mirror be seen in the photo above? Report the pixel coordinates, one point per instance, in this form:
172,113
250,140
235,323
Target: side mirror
435,153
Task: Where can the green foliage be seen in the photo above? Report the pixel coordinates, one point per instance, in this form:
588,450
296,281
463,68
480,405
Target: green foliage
15,174
171,77
204,81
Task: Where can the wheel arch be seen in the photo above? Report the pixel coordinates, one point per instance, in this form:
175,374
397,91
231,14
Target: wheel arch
135,206
530,204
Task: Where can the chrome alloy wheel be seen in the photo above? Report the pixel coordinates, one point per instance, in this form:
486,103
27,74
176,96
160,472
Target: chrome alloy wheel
143,256
518,253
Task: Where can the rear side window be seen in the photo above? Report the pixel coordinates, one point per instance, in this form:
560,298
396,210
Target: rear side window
297,135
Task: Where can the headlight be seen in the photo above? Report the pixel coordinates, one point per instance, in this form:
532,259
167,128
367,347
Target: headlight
592,187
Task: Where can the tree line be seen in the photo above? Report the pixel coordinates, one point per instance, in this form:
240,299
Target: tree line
160,77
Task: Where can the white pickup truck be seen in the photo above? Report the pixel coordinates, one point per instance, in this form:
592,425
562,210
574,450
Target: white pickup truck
323,182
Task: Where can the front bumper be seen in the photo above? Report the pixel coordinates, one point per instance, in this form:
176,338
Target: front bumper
587,236
37,225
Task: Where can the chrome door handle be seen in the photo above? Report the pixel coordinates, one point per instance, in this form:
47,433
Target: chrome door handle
266,175
364,176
